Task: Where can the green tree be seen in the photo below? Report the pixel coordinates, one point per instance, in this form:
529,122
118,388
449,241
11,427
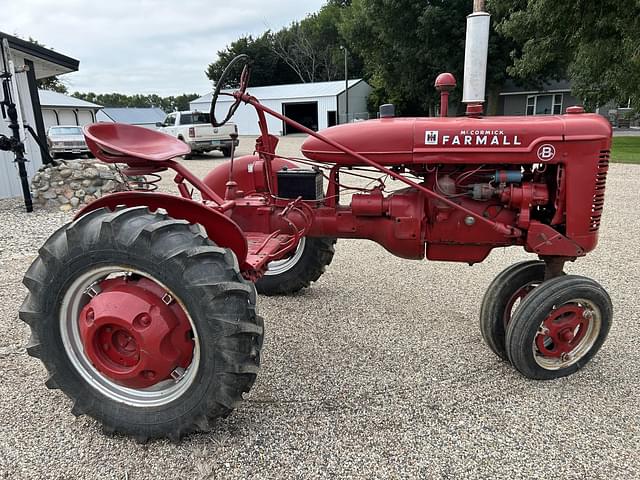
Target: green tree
168,104
405,44
267,67
595,44
305,51
312,47
52,83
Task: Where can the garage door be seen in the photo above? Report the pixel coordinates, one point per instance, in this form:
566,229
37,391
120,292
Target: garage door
305,113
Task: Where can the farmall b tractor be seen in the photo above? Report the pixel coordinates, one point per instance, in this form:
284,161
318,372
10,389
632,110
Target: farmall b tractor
143,308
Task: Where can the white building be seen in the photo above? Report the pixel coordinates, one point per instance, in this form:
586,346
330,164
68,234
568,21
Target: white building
40,63
315,105
60,109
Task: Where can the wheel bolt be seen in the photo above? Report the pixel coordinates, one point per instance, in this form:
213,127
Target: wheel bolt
587,313
91,316
142,321
148,374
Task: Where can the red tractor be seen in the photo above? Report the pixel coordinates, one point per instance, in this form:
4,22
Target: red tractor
143,308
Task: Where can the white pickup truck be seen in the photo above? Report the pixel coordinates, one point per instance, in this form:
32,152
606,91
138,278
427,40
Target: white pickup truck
195,129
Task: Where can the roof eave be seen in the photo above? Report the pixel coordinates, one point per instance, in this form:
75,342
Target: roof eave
43,53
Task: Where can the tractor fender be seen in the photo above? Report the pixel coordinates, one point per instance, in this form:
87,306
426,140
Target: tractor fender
248,173
220,228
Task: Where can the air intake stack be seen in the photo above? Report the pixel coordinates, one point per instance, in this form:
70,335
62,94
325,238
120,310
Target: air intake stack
475,58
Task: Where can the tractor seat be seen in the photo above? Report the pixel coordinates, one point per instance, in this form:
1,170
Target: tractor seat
118,142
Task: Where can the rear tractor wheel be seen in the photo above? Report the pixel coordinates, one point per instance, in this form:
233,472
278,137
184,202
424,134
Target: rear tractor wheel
559,327
143,322
304,265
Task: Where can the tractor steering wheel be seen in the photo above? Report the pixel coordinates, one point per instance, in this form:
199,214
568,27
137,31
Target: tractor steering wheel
244,82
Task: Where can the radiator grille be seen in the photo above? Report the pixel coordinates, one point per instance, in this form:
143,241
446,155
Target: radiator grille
598,193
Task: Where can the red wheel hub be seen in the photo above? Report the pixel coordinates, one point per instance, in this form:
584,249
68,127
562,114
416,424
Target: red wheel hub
562,330
134,333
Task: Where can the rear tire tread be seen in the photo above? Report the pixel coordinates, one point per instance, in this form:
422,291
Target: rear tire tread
131,231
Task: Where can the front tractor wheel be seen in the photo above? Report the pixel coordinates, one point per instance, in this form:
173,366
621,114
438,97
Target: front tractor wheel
559,327
304,265
503,296
143,322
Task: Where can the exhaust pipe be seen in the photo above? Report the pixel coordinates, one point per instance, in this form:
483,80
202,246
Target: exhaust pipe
475,58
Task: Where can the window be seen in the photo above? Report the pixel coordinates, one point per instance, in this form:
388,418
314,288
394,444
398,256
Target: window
544,104
65,131
531,105
194,118
557,104
170,120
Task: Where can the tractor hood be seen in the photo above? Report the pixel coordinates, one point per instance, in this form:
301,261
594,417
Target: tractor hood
396,141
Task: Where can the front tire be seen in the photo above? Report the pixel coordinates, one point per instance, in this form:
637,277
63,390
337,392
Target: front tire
305,265
197,295
501,299
559,327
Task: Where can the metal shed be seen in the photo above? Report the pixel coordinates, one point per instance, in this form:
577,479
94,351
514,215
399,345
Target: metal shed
40,63
316,105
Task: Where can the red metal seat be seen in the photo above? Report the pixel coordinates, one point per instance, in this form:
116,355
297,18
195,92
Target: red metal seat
118,142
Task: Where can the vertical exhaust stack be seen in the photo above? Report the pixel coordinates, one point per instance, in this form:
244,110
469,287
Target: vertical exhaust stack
475,58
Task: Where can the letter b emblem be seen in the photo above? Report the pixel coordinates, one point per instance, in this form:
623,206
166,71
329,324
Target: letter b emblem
546,152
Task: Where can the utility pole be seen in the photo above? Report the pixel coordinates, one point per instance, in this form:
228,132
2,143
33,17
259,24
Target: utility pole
346,85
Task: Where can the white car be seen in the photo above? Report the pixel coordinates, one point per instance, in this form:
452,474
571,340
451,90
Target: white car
66,139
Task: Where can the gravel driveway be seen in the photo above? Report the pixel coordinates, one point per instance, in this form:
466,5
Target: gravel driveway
377,371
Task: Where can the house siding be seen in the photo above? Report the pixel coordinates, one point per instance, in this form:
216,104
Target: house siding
517,104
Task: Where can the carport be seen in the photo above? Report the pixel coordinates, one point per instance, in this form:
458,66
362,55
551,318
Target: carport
60,109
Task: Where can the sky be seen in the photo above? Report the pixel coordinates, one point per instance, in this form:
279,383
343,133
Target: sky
145,46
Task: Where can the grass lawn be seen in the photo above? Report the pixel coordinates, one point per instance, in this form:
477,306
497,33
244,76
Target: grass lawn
626,150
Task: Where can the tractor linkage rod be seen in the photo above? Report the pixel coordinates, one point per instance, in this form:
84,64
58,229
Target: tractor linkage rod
497,226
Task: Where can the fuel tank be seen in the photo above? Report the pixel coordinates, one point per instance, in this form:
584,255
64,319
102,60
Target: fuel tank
404,141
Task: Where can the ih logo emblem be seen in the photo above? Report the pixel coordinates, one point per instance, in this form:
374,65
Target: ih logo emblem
546,152
431,137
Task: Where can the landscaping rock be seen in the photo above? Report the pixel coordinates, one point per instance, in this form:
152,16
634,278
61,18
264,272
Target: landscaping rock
74,183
